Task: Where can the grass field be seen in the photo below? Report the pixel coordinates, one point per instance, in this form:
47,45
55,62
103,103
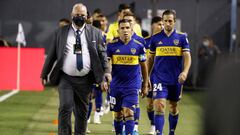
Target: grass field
33,113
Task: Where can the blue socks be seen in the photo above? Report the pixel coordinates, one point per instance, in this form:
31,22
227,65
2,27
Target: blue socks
89,110
129,126
98,98
118,124
136,115
173,120
151,117
159,123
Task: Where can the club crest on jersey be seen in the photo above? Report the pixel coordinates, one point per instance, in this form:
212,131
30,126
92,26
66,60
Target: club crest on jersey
176,41
133,50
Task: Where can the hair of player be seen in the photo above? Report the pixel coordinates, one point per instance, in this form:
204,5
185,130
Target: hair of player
156,19
124,21
170,12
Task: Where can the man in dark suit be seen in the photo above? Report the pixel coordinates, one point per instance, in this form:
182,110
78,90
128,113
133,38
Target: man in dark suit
81,60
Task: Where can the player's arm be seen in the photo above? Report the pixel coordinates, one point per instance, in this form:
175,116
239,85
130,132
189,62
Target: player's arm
145,78
150,62
186,66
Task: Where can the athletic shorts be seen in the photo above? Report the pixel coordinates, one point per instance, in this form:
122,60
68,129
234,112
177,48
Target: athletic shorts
121,97
169,92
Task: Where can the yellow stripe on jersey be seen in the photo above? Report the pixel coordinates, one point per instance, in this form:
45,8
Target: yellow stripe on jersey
147,52
125,60
169,51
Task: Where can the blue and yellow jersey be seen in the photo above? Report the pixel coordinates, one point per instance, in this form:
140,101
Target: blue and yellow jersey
147,45
139,39
168,52
113,31
125,58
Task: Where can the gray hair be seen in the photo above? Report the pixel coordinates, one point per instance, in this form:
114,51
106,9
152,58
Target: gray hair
79,5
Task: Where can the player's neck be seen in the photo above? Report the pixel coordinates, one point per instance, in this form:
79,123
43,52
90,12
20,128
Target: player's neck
168,33
125,40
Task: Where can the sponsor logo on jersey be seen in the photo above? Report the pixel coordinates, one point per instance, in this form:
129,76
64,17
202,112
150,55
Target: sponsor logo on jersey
125,60
169,51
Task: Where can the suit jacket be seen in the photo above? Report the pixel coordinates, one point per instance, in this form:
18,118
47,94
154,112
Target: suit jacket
97,51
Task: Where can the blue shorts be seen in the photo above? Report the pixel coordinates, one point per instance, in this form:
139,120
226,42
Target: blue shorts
122,97
169,92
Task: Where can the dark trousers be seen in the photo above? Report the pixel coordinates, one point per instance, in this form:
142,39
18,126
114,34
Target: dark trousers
74,95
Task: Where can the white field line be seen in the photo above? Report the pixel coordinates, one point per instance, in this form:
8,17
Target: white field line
6,96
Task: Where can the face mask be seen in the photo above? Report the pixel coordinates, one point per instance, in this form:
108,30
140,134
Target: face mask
79,20
206,43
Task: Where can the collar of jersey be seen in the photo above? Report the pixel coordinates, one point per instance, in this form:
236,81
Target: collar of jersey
170,34
127,43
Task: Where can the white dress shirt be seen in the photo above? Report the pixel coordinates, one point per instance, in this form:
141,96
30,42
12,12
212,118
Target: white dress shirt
69,60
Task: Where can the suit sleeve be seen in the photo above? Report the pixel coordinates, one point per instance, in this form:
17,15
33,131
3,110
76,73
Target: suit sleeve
101,48
51,57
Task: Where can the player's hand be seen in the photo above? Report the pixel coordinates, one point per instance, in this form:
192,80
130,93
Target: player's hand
149,85
144,91
44,82
107,78
104,86
182,77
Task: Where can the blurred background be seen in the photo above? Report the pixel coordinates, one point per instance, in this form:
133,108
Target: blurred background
217,19
212,27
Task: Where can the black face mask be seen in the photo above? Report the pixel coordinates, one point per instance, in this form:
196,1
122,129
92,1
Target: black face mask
79,20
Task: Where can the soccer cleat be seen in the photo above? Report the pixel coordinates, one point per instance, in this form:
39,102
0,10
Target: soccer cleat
96,118
152,130
89,120
113,128
135,132
88,131
123,130
101,112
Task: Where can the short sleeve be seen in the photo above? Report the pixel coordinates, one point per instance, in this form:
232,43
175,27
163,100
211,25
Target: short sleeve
185,43
152,46
142,54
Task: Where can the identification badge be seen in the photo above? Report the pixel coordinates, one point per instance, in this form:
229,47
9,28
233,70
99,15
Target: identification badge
77,49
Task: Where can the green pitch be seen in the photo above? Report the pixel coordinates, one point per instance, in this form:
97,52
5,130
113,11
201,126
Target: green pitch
33,113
